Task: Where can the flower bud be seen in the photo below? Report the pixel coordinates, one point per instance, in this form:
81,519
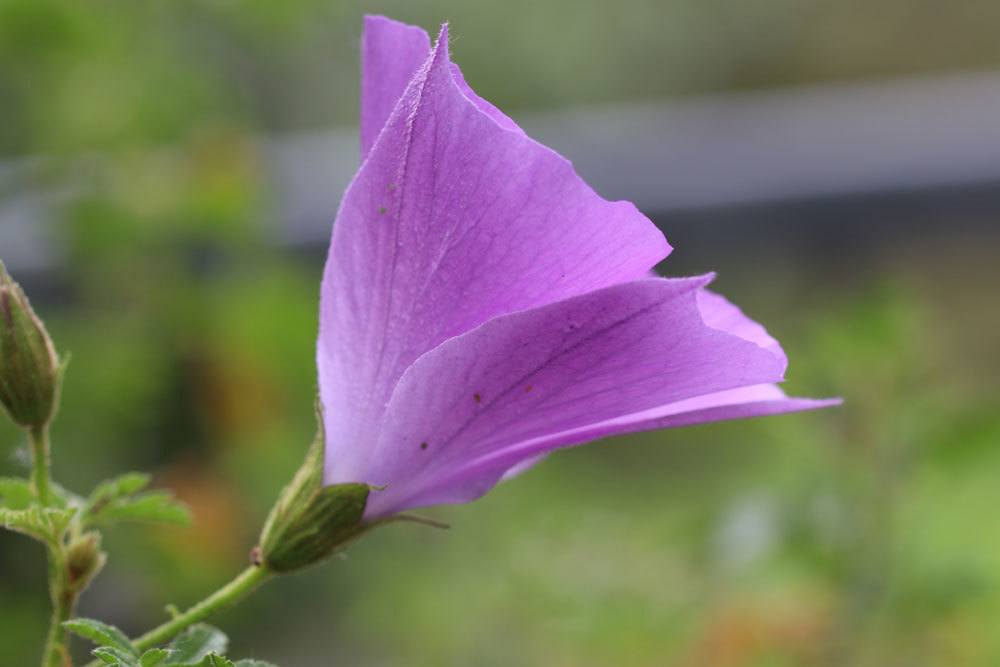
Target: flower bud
311,521
84,559
29,368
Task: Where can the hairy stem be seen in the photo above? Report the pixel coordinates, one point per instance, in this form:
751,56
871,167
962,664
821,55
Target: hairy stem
64,597
237,589
233,592
41,464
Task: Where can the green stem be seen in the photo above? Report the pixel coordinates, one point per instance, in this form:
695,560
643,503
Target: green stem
237,589
42,463
63,597
63,603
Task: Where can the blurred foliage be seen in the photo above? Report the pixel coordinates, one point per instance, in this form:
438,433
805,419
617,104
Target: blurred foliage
76,76
861,536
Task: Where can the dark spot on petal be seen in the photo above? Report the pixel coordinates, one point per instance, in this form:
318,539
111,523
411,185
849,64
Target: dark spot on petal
423,445
391,187
477,398
528,389
381,210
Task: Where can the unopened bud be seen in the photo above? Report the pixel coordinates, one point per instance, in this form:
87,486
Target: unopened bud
311,521
84,559
29,368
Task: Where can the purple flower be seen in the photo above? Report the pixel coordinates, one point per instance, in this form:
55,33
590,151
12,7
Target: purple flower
482,305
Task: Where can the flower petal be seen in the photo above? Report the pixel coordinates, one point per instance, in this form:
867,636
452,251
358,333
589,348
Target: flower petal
719,313
391,53
453,219
525,383
743,403
499,117
523,467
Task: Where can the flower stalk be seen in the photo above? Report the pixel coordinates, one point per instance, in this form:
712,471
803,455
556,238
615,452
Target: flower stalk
307,524
41,469
64,597
245,583
235,591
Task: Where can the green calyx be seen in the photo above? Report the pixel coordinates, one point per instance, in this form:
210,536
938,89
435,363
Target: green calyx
29,367
310,521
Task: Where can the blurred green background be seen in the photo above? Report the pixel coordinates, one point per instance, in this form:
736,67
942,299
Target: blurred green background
860,536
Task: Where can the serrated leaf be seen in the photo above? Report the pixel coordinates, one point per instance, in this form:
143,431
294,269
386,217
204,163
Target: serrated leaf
115,657
152,507
15,494
192,647
119,487
102,634
43,523
215,660
153,657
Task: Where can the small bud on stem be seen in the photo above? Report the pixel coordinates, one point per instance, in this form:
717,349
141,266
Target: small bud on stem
29,367
84,559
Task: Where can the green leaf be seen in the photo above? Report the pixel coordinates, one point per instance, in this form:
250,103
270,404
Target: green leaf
215,660
119,499
102,634
107,491
153,657
152,507
110,655
43,523
15,494
192,647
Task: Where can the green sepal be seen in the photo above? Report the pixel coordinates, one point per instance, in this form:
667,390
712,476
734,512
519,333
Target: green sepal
314,528
311,521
